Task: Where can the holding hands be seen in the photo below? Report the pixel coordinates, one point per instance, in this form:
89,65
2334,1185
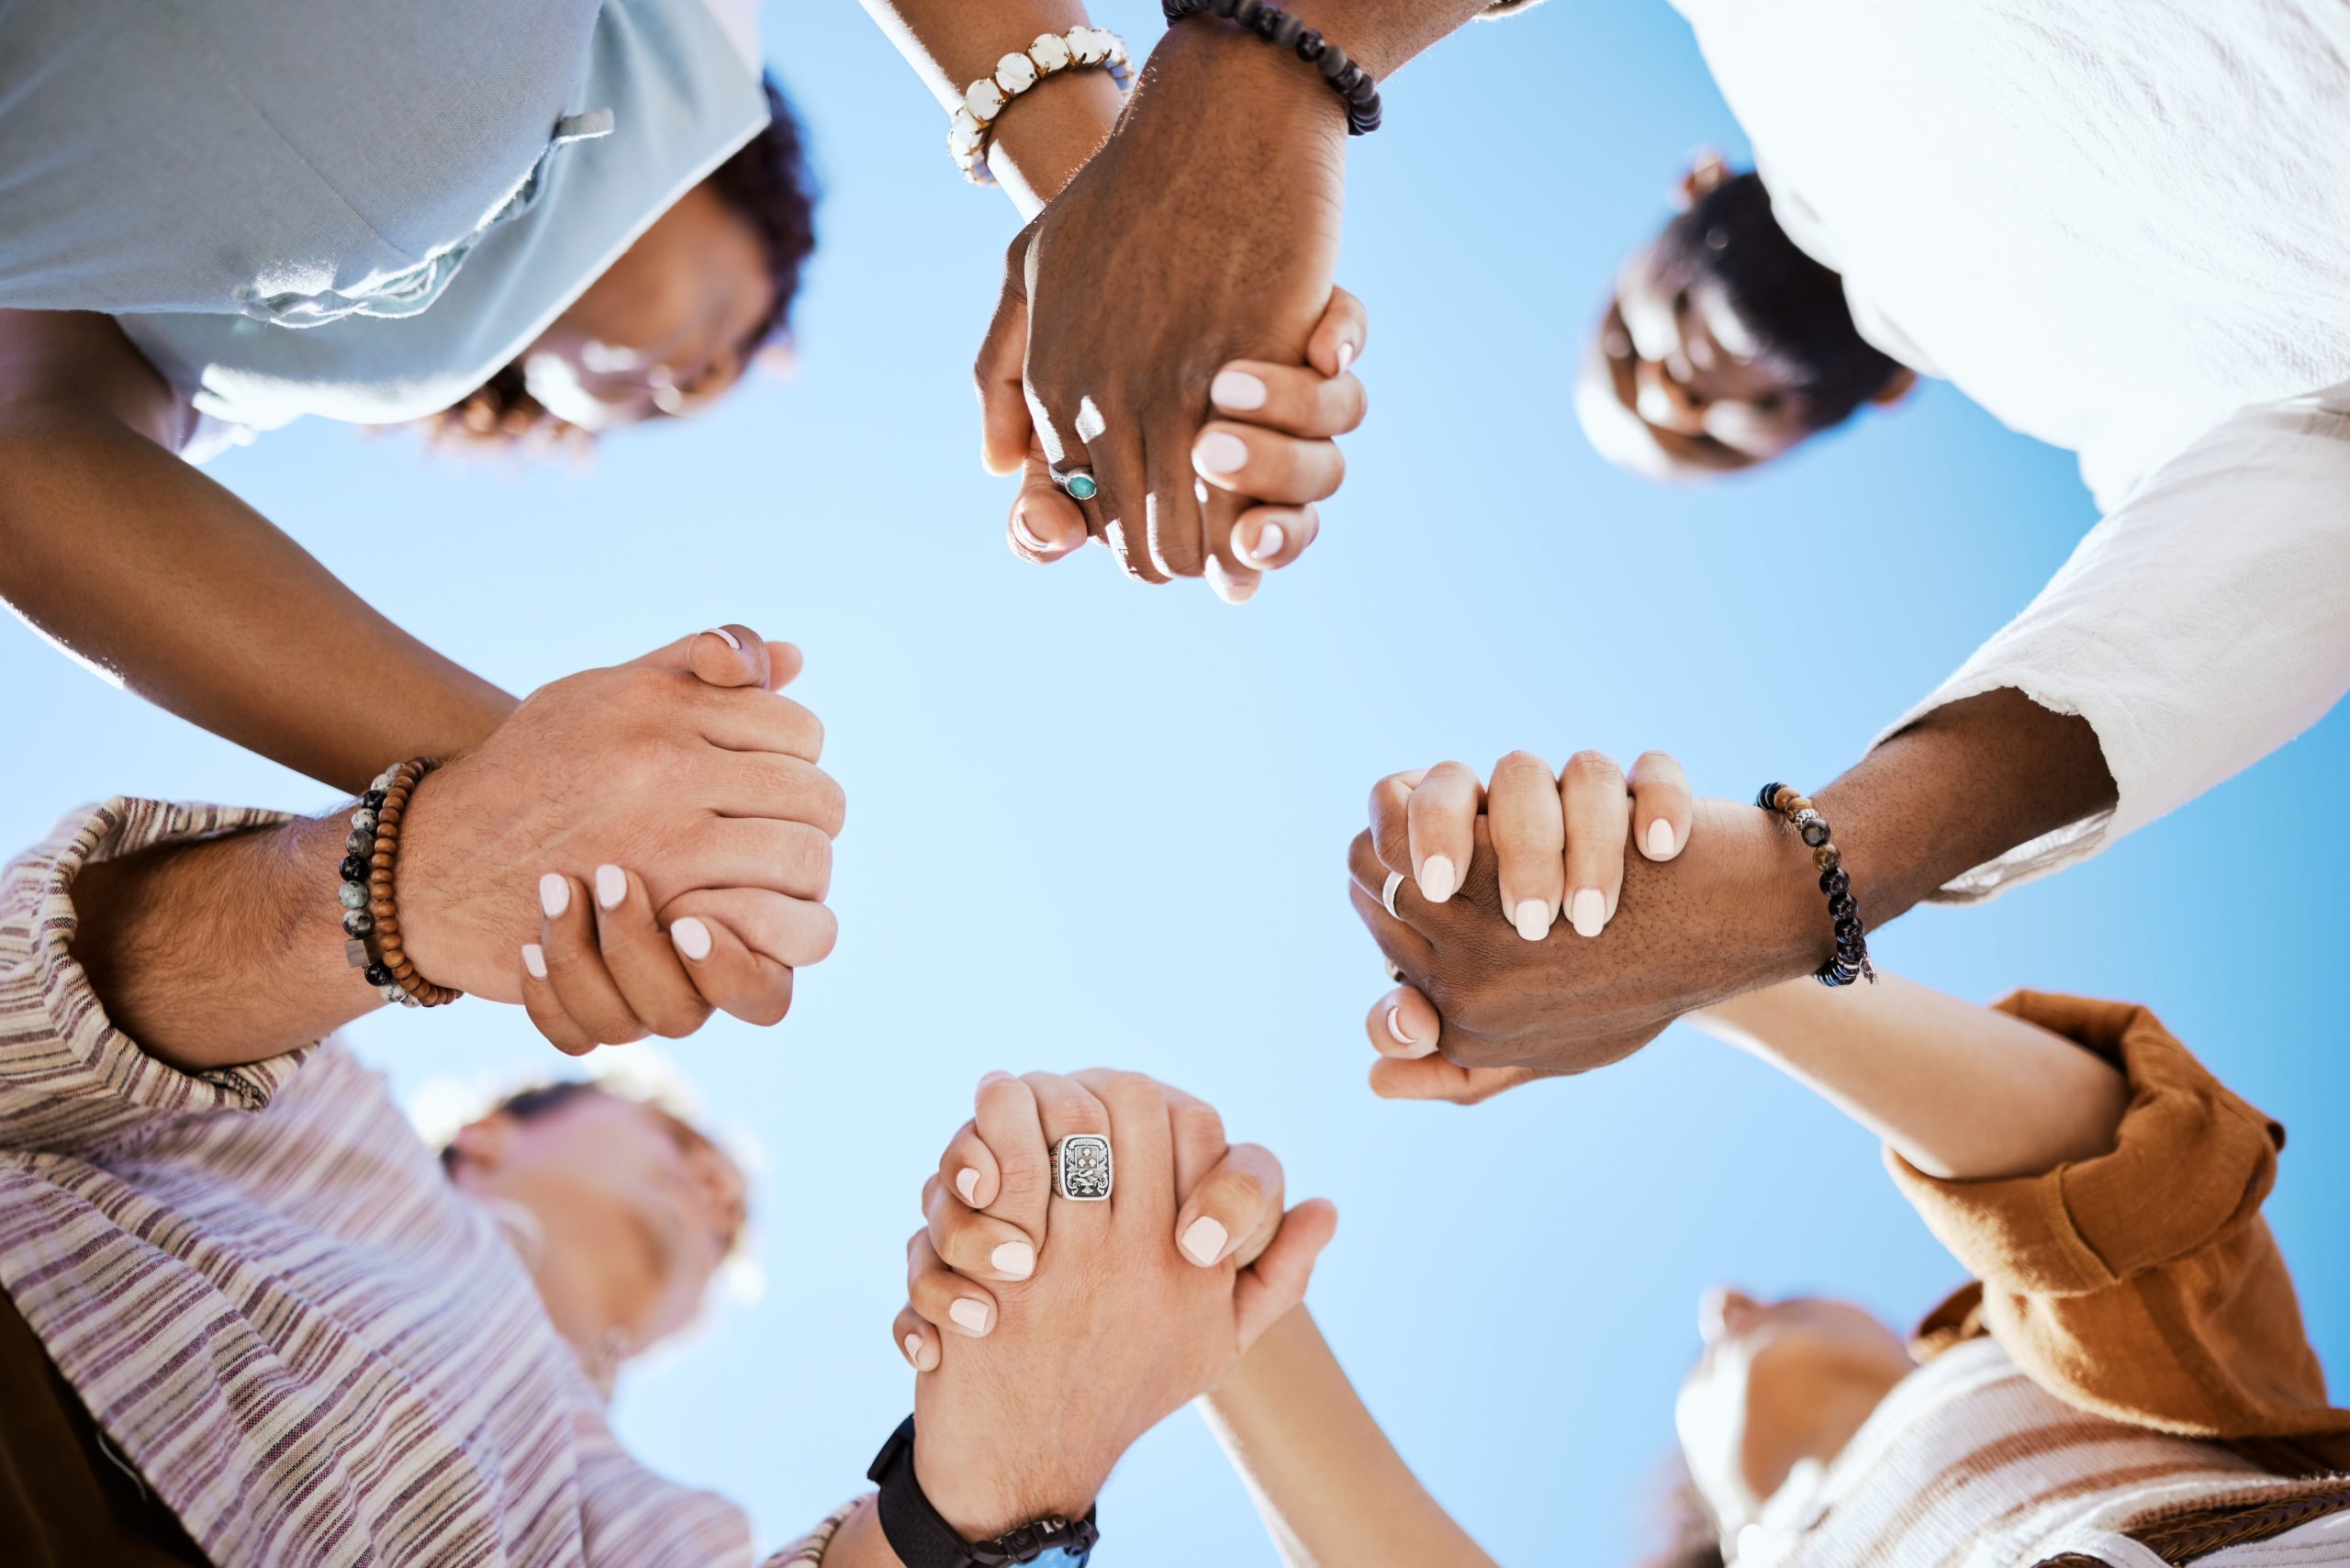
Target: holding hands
1127,302
1547,923
1052,1331
632,848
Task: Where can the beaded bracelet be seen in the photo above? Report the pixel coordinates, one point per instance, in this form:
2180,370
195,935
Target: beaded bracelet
1851,960
1350,81
371,920
985,99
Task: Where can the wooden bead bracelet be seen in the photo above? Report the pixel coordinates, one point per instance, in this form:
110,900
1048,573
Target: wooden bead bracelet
371,917
1850,962
1354,86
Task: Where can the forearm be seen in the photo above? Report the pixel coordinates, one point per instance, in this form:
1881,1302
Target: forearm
859,1544
222,951
1963,785
1332,1488
1961,1091
158,576
1057,125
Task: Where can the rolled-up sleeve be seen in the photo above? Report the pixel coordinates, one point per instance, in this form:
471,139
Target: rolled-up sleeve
70,1081
2143,1285
2197,628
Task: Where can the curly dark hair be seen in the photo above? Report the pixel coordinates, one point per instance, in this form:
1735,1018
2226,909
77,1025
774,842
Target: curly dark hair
768,182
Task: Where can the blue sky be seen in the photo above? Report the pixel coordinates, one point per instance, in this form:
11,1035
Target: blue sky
1092,823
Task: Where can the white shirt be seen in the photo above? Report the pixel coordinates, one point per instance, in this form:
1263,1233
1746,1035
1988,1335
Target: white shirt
2123,228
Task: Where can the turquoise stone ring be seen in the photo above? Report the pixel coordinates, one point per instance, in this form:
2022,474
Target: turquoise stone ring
1077,482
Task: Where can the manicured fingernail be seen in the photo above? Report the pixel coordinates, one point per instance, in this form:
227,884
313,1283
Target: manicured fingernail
1269,540
1028,536
992,1074
1229,588
1203,1240
534,959
554,894
1346,356
612,886
969,1316
731,641
966,1182
1532,919
913,1350
1590,912
1438,879
1220,451
1236,390
1659,839
1395,1030
692,938
1017,1259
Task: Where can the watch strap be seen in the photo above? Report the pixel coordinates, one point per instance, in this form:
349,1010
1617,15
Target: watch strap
921,1538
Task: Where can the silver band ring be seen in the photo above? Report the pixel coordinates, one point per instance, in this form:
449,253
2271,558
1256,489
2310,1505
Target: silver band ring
1076,483
1081,1168
1387,893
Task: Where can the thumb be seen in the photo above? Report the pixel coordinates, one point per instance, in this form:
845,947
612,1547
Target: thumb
1004,425
1265,1292
731,654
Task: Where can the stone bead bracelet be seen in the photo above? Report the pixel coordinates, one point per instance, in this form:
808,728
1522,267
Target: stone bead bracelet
1850,962
1268,21
1080,48
371,920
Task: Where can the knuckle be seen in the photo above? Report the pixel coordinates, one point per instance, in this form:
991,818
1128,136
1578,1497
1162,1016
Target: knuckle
1204,1123
1593,767
1520,762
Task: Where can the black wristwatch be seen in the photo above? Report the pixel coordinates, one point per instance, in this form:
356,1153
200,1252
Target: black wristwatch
923,1539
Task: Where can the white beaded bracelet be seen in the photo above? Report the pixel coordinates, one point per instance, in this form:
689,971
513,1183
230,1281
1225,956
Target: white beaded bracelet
1078,49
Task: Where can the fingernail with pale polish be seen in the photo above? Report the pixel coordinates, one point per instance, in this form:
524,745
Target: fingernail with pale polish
1438,879
731,641
1017,1259
969,1316
1220,451
1236,390
1028,536
534,959
1269,540
1659,839
612,886
966,1182
1204,1241
1532,919
554,894
1412,1047
913,1352
1590,912
1346,357
692,938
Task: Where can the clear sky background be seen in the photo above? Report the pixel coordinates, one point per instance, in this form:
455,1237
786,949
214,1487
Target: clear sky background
1094,822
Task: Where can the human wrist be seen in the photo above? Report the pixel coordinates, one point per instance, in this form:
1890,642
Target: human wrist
983,1490
1779,921
1234,84
1039,145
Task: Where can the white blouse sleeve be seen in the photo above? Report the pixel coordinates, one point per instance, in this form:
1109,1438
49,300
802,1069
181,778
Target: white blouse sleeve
2201,625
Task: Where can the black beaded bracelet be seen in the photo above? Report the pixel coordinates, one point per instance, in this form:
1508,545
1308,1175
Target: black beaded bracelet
358,922
1851,960
1350,81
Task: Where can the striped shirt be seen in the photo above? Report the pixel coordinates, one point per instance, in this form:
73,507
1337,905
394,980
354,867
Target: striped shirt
273,1303
1968,1463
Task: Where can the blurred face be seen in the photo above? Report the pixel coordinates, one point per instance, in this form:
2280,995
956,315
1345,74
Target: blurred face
1777,1385
1673,386
636,1210
667,330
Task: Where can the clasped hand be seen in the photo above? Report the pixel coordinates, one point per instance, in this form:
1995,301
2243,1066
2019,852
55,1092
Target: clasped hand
632,848
1547,923
1052,1333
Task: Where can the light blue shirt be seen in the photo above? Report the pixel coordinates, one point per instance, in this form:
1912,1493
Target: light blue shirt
351,209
